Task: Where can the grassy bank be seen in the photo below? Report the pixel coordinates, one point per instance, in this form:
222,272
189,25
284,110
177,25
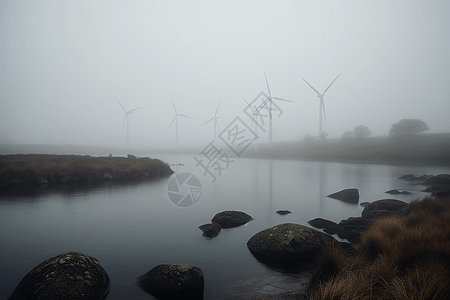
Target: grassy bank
398,258
420,149
25,171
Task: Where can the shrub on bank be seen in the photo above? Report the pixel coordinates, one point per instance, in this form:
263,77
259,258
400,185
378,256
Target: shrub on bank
399,258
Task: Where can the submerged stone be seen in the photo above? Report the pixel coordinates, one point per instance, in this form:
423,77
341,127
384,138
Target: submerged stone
210,230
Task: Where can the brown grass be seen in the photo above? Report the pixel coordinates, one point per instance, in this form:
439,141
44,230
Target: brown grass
400,258
24,170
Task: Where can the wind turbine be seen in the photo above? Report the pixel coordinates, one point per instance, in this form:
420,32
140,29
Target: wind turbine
216,123
127,118
176,123
321,104
255,114
270,100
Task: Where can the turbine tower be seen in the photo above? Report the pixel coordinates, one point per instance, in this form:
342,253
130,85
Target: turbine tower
216,123
127,118
255,114
270,100
321,104
176,123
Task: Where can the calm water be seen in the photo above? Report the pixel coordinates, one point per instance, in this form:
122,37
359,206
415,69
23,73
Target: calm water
132,228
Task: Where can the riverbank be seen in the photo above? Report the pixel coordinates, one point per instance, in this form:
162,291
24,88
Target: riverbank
420,149
32,170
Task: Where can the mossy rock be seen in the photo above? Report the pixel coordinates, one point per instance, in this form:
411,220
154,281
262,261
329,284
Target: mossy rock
172,281
287,242
71,275
231,218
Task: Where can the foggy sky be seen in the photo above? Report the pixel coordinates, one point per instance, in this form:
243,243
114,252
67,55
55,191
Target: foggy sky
64,63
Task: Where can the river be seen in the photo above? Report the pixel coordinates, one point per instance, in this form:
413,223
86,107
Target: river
130,228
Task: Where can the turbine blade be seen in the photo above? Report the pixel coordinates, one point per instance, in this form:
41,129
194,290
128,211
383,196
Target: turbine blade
217,109
184,116
172,121
323,108
311,86
174,106
263,104
208,121
134,109
247,104
217,122
267,83
121,105
123,124
330,84
276,98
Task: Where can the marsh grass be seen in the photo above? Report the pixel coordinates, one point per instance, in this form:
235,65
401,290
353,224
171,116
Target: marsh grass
25,170
399,258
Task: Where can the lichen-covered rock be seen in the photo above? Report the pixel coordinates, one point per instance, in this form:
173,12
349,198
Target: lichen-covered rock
67,276
210,230
172,281
347,195
231,218
287,242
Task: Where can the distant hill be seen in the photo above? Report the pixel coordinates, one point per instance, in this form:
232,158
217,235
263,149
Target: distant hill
419,149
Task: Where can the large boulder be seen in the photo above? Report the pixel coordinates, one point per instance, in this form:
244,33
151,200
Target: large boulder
172,281
71,275
210,230
287,242
231,218
347,195
384,207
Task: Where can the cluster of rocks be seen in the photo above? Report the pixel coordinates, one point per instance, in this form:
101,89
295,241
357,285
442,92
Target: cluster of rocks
225,219
352,228
77,276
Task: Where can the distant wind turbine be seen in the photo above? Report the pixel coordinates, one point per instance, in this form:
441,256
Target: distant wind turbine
321,104
216,123
269,100
127,118
255,113
175,119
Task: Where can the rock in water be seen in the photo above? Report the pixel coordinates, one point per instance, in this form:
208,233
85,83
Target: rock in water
384,207
171,281
287,242
321,223
397,192
67,276
210,230
283,212
347,195
231,218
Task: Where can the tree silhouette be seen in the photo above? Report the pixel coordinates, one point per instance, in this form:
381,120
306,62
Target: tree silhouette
408,127
361,132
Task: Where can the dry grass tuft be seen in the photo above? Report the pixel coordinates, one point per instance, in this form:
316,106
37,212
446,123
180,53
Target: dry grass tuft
400,258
